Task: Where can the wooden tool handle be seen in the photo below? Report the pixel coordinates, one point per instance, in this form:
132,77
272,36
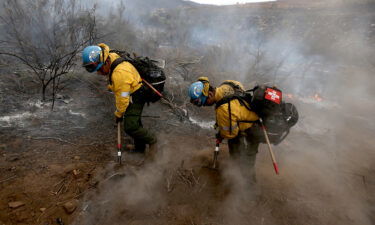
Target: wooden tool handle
152,88
119,135
269,147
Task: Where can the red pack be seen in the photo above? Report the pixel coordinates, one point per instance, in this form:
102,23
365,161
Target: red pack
273,95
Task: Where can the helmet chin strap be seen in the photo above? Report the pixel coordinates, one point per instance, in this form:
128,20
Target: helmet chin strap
203,100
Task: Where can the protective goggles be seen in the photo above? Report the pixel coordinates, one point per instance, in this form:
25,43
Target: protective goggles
199,101
92,67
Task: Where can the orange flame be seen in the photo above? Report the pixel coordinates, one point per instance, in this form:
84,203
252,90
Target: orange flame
317,98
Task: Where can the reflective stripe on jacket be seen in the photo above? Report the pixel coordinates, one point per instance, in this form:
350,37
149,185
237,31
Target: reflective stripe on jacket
230,125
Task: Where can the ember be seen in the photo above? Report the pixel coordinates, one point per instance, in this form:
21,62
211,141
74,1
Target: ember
317,98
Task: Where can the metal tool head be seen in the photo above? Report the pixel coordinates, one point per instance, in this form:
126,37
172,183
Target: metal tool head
119,156
214,163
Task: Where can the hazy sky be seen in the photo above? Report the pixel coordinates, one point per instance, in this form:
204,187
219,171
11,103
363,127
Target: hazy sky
228,2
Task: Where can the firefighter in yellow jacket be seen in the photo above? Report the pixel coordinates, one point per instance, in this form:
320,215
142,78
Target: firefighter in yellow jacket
126,84
233,119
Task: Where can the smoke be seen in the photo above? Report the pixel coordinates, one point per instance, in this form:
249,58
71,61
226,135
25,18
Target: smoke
136,194
322,56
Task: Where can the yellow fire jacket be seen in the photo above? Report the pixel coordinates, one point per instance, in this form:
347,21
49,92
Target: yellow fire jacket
238,112
125,81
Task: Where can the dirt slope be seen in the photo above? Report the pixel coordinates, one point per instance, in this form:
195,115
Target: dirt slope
49,159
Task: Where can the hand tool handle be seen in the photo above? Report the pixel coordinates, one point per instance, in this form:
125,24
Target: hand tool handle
152,88
216,153
269,147
119,142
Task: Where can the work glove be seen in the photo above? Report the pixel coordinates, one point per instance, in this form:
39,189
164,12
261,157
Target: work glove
219,139
119,119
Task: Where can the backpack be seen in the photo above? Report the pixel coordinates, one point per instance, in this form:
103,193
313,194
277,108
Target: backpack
147,69
277,116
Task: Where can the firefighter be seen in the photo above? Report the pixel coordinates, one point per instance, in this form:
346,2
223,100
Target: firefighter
234,121
126,84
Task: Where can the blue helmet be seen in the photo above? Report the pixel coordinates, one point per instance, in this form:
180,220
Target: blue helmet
91,57
196,93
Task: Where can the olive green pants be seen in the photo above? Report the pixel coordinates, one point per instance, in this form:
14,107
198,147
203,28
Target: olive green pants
133,125
243,150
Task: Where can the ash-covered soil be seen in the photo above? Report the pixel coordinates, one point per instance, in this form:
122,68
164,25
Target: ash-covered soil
62,164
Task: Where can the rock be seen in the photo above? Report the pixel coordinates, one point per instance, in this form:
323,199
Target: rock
77,157
3,146
16,204
66,101
76,173
13,159
42,209
70,206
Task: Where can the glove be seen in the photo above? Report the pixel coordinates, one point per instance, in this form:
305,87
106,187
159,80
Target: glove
219,139
119,119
